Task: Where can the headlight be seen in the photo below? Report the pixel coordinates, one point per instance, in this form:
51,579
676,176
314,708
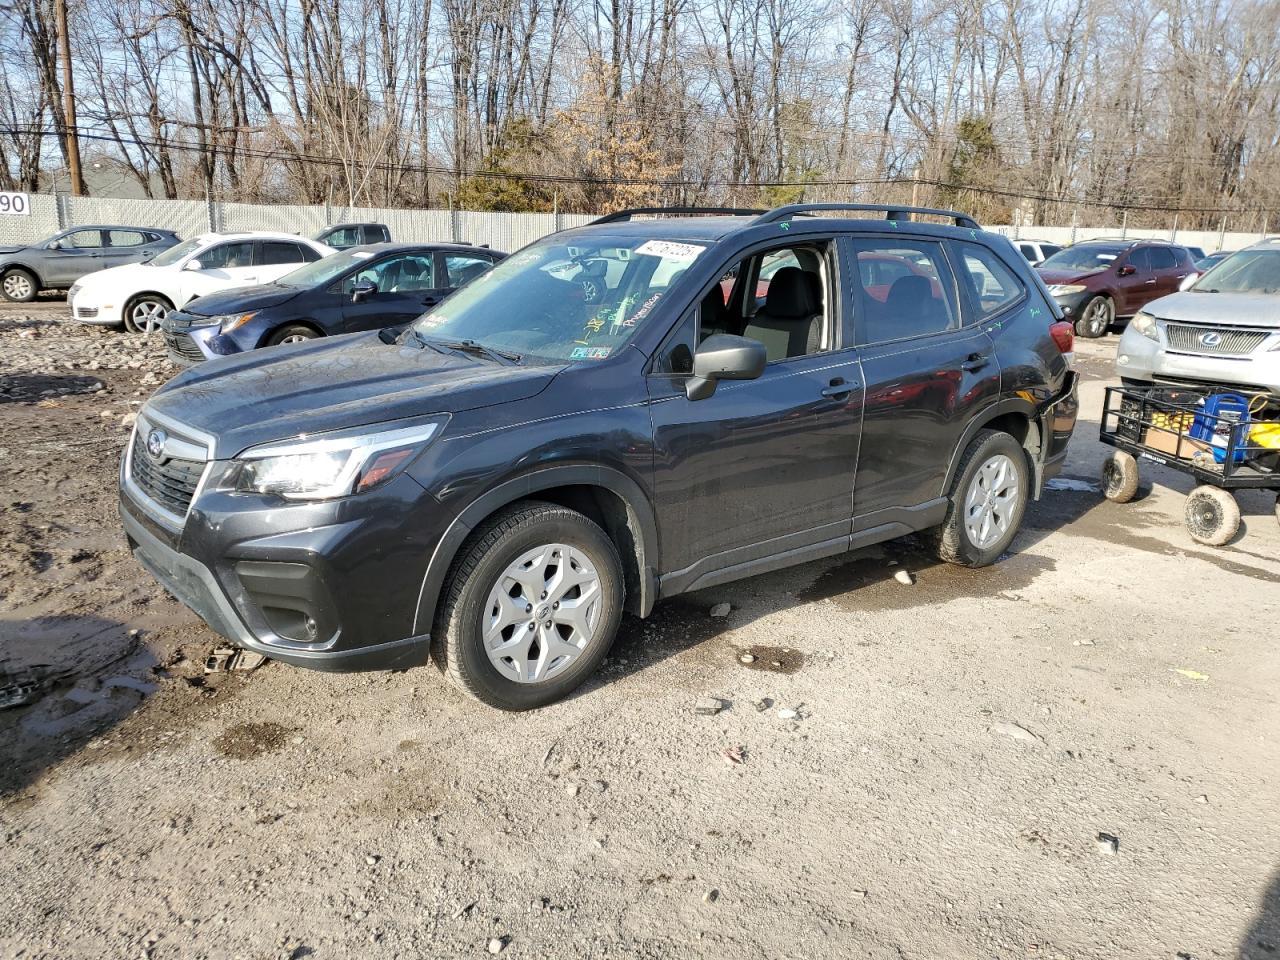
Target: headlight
229,321
75,288
1145,324
1062,289
321,468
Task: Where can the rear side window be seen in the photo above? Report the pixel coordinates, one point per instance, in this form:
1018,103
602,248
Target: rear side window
1050,249
1028,251
905,290
125,238
275,252
376,235
992,286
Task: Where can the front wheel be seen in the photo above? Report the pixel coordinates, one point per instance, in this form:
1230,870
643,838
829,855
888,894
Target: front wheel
1212,515
143,314
1096,318
293,333
18,285
988,499
533,605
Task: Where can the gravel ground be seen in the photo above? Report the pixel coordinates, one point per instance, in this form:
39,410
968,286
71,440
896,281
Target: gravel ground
956,748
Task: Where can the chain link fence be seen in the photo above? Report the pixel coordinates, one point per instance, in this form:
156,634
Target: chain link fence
502,231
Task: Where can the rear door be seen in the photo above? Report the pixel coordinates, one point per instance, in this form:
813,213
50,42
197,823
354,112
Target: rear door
927,372
405,286
79,252
275,258
129,246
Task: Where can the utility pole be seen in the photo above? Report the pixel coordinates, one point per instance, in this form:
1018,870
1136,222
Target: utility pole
69,101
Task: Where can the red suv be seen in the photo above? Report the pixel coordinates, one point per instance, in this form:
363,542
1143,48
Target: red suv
1099,280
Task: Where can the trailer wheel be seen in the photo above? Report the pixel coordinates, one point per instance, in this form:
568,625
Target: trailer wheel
1212,515
1119,477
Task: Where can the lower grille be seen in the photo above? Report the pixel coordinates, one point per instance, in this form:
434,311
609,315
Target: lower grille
86,313
169,481
1214,341
183,346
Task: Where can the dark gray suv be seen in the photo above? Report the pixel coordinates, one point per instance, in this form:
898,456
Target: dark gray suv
57,263
654,403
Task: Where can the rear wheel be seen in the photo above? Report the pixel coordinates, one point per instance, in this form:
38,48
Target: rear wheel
533,605
143,313
1119,477
988,499
18,285
1212,515
1096,317
293,333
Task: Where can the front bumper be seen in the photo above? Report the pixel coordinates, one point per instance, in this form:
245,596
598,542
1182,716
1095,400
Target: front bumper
1139,358
89,311
1072,302
190,339
331,585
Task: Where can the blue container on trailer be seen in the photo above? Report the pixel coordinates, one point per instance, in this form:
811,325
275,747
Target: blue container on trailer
1216,423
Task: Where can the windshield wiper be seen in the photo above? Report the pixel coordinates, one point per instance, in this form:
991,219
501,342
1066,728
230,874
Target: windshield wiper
475,348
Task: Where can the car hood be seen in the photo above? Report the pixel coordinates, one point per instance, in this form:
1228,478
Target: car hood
1228,309
334,383
132,276
1064,276
12,248
240,300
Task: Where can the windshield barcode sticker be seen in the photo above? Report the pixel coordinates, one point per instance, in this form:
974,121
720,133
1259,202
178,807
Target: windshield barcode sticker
669,250
590,353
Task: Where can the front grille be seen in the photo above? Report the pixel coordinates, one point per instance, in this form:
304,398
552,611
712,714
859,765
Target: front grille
169,481
183,346
177,320
1208,386
1230,341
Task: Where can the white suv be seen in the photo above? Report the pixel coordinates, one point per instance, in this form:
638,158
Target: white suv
1222,331
139,295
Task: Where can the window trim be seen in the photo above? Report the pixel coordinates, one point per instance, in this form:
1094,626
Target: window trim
955,247
855,315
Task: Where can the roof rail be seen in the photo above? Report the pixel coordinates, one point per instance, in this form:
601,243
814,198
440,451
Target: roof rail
892,210
622,215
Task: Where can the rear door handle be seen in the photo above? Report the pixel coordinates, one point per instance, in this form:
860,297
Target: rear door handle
975,361
838,388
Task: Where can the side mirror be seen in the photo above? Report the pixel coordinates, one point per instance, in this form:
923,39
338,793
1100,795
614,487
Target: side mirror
193,265
1189,281
54,245
363,290
724,357
1127,270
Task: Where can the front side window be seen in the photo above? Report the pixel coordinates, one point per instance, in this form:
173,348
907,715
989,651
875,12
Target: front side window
991,284
346,237
561,299
227,256
402,274
905,290
1140,259
463,268
1162,258
83,240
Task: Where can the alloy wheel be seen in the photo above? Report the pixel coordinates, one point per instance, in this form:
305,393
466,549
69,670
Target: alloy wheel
1097,318
17,286
992,501
146,315
542,613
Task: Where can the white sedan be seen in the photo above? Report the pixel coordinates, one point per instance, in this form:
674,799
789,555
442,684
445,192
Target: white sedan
139,295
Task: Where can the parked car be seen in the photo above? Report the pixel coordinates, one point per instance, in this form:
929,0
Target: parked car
1036,250
545,450
1203,266
343,236
57,263
364,288
138,296
1197,253
1225,330
1100,281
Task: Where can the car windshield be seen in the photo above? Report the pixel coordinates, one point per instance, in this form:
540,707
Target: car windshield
1084,256
322,271
174,254
1249,271
563,299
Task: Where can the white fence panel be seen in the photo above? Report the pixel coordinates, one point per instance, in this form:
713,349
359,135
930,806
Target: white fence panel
40,223
234,217
186,218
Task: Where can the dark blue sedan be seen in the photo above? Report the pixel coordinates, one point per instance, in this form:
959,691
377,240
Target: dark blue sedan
364,288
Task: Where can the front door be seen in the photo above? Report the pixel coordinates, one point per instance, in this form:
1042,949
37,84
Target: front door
79,252
762,467
222,266
1135,281
405,286
927,373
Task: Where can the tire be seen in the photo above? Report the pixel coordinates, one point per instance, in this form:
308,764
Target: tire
1119,477
293,333
143,308
1212,515
984,466
1278,509
523,540
1096,317
19,285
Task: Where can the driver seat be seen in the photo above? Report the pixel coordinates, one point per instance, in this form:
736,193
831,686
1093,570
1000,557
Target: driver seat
790,322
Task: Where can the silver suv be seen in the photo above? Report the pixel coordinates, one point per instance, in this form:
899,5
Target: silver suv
1223,330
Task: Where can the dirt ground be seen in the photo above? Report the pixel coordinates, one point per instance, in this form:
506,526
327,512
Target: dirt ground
960,745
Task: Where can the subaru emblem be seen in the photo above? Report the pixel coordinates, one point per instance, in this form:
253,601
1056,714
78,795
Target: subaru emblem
155,443
1210,339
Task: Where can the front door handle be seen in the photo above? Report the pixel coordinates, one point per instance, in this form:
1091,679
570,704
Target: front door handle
1150,282
838,388
975,361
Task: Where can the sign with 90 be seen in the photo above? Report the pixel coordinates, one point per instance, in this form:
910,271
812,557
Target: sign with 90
14,205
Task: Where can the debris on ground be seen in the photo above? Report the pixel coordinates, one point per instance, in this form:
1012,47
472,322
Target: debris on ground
720,611
763,704
788,713
1015,730
463,910
19,691
1084,642
709,706
904,577
734,755
1191,674
748,658
233,659
711,896
497,945
1108,845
